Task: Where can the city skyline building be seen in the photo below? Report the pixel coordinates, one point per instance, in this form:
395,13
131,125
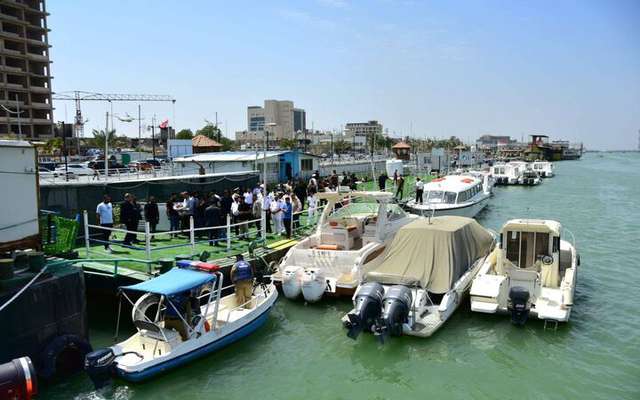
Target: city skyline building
25,74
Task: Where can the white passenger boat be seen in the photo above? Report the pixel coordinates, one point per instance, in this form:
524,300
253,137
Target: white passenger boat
507,173
543,168
533,273
352,231
156,348
461,195
421,279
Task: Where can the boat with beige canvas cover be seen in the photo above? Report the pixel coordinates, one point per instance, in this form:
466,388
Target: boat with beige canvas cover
421,279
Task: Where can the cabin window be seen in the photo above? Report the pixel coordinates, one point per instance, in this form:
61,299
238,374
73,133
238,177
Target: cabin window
527,249
435,195
450,197
542,244
556,244
513,247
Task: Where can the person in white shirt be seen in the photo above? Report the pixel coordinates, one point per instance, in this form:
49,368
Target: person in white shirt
419,190
266,208
312,203
248,197
276,215
104,214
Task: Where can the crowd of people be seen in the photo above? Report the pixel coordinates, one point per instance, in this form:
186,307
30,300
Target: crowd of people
241,207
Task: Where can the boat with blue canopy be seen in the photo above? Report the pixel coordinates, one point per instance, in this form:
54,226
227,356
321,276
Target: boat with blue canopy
180,316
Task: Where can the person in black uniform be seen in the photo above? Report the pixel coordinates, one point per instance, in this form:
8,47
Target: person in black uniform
129,215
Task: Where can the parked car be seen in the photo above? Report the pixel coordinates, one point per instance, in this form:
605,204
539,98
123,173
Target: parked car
76,169
155,163
140,166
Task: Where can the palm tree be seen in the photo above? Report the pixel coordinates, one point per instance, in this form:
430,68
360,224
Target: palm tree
99,138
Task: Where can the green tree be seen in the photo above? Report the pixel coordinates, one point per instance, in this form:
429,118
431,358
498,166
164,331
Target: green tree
185,134
99,138
227,144
288,144
211,131
340,146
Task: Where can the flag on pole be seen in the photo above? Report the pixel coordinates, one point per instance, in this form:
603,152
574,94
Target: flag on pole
164,124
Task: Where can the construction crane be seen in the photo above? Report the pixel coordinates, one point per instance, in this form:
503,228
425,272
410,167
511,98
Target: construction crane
78,96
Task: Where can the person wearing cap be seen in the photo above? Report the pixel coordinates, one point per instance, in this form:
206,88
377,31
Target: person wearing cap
242,278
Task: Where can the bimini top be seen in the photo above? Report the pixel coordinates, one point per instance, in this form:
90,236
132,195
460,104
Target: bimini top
432,255
176,280
532,225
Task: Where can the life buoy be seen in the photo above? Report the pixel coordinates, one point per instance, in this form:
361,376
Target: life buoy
437,180
73,347
467,180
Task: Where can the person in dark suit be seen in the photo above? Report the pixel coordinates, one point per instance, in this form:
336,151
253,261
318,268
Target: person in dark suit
130,215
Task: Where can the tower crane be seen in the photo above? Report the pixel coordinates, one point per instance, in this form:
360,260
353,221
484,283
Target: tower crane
78,96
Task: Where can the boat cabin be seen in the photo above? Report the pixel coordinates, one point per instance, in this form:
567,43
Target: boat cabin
452,189
532,247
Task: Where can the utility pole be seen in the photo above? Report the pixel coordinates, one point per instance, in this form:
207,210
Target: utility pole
106,147
139,132
153,136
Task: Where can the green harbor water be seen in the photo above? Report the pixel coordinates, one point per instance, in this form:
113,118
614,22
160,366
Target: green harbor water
303,353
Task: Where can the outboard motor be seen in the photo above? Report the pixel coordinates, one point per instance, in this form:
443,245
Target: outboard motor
519,305
100,366
396,305
367,308
18,379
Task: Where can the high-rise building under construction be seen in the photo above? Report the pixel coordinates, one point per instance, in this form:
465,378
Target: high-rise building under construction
25,75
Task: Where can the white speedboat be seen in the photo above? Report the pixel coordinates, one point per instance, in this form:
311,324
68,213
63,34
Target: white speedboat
461,195
352,231
533,273
422,278
543,168
529,177
155,347
507,173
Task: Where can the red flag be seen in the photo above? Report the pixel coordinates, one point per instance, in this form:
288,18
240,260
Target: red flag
164,124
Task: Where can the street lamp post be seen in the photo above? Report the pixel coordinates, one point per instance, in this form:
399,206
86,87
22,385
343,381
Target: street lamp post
266,147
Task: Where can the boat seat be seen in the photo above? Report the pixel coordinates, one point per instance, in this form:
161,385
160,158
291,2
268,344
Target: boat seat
526,278
153,331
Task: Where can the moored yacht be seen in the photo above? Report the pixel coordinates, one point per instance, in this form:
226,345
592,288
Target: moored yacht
421,279
461,195
353,230
529,177
507,173
533,273
543,168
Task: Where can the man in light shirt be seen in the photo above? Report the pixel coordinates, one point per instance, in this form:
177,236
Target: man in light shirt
104,215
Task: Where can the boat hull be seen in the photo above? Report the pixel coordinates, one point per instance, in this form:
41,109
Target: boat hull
469,211
229,338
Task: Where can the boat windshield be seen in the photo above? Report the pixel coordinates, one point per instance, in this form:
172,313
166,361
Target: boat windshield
394,212
356,207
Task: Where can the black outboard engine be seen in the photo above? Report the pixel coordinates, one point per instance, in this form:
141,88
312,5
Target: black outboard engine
519,305
100,366
396,305
368,305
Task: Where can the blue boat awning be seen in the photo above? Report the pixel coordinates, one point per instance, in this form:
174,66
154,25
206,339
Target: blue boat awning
174,281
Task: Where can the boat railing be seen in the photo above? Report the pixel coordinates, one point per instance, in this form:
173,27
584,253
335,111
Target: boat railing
571,237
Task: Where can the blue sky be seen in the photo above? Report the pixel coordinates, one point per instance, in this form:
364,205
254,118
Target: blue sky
570,69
